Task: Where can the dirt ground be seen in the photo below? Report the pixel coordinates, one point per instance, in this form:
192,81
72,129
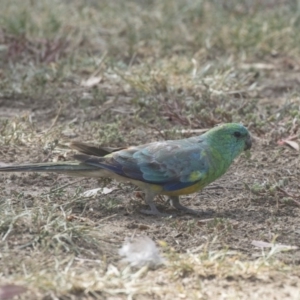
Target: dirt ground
62,245
245,205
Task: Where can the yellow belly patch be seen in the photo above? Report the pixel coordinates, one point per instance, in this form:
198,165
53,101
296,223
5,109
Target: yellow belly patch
185,191
158,189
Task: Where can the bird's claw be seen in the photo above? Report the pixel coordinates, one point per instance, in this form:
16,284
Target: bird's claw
176,204
154,213
194,212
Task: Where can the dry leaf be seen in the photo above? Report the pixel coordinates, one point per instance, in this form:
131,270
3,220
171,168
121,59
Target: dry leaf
258,66
292,144
289,141
92,81
93,192
262,244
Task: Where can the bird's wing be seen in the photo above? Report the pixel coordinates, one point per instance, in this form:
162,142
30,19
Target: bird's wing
171,164
90,149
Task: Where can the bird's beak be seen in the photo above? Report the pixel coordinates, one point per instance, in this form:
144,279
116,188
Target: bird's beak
248,143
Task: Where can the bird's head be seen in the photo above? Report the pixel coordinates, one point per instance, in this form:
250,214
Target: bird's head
229,139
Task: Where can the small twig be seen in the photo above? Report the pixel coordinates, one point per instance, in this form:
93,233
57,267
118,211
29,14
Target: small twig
100,65
205,220
72,217
106,218
160,132
47,157
56,117
197,131
132,59
88,260
289,195
63,186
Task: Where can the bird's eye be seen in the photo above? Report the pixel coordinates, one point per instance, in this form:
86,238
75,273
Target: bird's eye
237,134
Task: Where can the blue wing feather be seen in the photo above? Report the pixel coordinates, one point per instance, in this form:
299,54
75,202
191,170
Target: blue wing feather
169,164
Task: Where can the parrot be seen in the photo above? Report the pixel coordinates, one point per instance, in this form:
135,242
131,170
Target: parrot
171,167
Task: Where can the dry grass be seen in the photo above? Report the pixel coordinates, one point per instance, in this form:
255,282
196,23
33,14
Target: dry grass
130,72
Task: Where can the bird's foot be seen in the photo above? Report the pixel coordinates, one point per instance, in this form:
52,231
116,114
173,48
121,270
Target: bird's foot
151,212
176,204
195,212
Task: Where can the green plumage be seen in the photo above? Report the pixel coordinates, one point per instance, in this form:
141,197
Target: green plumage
169,167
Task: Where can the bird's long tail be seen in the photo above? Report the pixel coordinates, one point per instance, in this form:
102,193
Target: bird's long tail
69,168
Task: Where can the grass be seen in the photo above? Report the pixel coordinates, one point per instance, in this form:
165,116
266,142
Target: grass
161,70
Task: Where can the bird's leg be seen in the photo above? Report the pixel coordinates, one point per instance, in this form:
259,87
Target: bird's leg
149,197
176,204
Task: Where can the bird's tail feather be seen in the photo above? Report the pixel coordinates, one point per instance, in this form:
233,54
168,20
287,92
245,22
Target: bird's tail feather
71,168
89,149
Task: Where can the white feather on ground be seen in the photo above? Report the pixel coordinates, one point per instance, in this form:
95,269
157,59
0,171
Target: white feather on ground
141,251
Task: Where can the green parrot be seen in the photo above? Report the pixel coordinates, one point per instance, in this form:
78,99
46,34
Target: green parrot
172,168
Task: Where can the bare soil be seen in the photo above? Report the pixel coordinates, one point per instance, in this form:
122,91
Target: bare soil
238,215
